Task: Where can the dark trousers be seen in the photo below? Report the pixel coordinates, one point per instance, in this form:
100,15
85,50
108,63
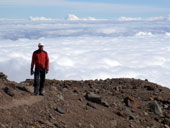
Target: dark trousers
39,80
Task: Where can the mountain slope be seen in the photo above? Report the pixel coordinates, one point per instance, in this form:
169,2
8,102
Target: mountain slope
110,103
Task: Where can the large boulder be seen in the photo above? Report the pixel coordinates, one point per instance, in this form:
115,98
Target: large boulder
3,76
154,107
9,91
90,96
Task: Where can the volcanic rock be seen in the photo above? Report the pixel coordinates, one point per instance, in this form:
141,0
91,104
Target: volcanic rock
3,76
166,126
9,91
60,110
163,100
131,102
93,97
91,105
150,88
154,107
104,103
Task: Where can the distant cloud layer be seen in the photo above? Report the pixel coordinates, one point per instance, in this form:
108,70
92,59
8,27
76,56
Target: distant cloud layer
87,48
73,26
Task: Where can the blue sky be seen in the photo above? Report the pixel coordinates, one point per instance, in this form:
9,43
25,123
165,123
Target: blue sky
83,8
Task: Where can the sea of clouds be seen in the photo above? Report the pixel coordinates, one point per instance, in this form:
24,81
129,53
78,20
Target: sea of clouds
88,48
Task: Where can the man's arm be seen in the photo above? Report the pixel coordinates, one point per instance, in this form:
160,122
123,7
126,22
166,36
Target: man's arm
47,63
32,64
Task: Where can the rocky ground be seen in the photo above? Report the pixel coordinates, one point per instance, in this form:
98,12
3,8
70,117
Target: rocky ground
110,103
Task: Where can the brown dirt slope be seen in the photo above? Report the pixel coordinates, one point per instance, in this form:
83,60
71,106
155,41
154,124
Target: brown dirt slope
110,103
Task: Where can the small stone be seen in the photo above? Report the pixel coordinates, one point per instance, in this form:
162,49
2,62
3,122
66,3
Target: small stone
149,88
166,126
114,123
117,88
96,90
64,89
131,126
25,84
146,114
80,99
52,88
137,121
166,121
36,125
60,97
49,123
79,124
20,125
27,126
2,126
91,105
104,103
131,116
146,80
25,110
131,102
75,90
91,126
58,109
29,88
165,106
153,127
51,116
120,113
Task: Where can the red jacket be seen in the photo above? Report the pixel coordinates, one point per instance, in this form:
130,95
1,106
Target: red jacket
40,59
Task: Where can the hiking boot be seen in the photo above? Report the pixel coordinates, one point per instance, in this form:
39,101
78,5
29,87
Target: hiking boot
41,93
35,94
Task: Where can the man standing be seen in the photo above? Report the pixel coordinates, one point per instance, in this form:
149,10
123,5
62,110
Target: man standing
41,61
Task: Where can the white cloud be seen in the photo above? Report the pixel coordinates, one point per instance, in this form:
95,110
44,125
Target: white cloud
73,17
39,18
168,17
111,62
89,18
88,50
139,18
144,34
65,62
155,18
167,34
129,19
106,30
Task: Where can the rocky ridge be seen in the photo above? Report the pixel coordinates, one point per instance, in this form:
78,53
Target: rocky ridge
110,103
